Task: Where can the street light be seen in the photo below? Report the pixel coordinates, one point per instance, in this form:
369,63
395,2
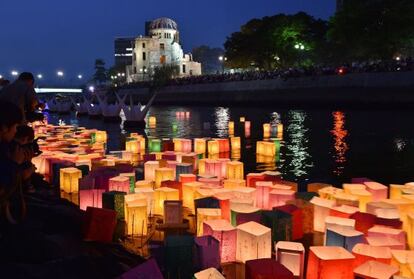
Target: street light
39,76
60,73
1,76
91,88
14,73
80,76
222,59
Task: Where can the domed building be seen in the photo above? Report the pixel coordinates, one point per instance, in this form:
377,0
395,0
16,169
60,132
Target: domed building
160,46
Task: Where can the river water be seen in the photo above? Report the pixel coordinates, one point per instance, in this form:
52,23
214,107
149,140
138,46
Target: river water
318,145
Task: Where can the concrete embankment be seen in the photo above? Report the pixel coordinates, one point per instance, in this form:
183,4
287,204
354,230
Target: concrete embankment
382,89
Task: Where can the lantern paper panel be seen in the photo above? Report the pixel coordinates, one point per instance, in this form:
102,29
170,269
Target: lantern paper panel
114,200
385,241
213,147
363,196
343,237
292,256
69,179
119,183
234,183
380,231
296,219
99,224
133,146
343,211
321,211
378,191
242,209
374,269
263,189
338,222
235,170
173,212
329,262
144,184
207,252
90,198
403,260
253,242
364,252
164,194
209,273
363,221
131,176
226,234
163,174
280,197
136,217
149,194
205,214
200,146
314,187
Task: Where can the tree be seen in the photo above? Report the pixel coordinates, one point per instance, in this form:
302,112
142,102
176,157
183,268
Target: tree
100,75
372,29
209,58
280,40
162,75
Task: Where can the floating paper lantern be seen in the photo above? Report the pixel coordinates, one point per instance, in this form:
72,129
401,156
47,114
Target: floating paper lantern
119,183
374,269
378,191
131,177
385,241
200,146
403,260
346,199
136,217
343,211
235,170
396,191
152,121
263,189
185,178
144,184
329,262
69,179
234,183
404,206
344,237
224,145
90,198
213,168
248,212
383,210
280,197
410,230
101,136
296,219
252,178
114,200
231,128
204,214
183,168
189,190
329,193
292,256
363,196
380,231
99,224
173,212
207,252
363,221
242,119
226,234
253,242
149,194
210,273
338,222
321,211
154,145
213,147
364,252
235,143
164,194
266,130
163,174
133,146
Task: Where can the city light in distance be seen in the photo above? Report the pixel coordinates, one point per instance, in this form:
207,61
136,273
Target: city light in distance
91,89
1,76
80,76
14,73
39,76
60,73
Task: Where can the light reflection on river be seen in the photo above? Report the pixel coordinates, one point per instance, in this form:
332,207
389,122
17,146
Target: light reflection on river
327,145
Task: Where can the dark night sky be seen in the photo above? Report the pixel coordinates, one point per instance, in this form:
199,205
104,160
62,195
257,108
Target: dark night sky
47,35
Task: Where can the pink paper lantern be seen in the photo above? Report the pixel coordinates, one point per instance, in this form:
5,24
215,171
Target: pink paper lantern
380,231
374,269
280,197
364,252
263,189
252,178
292,256
254,241
90,198
120,184
378,191
226,234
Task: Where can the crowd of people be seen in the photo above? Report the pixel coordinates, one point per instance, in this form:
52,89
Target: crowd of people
17,102
394,65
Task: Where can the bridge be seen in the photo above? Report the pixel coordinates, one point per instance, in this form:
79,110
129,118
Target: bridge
64,91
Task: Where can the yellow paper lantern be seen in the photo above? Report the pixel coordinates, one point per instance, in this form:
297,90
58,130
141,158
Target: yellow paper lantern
133,146
213,147
164,194
205,214
200,146
349,187
136,218
321,211
235,143
101,136
363,196
403,259
234,183
69,179
150,196
242,119
144,184
149,170
231,128
235,170
163,174
189,190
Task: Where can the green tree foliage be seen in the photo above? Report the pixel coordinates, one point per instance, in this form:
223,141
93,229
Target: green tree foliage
100,75
280,40
162,75
372,29
209,58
